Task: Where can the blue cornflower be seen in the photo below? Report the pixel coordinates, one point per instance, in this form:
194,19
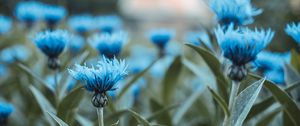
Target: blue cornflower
29,12
5,110
53,14
15,53
160,37
241,46
76,44
293,30
109,45
101,78
52,43
108,23
239,12
271,65
5,24
81,23
3,70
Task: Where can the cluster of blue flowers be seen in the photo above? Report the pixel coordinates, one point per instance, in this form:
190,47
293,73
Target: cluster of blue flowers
32,12
16,53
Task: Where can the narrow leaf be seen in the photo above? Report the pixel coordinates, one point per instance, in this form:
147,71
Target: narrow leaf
170,80
164,117
267,119
139,118
186,105
69,104
291,75
295,60
244,102
83,121
220,101
162,111
58,120
215,66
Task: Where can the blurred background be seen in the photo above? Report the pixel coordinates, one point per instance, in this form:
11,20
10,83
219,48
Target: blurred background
183,15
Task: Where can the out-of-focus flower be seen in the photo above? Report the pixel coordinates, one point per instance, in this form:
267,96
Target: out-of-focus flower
53,14
81,23
52,43
101,78
272,65
108,23
293,30
3,70
5,110
76,44
241,46
29,12
173,49
160,37
15,53
239,12
5,24
109,45
51,84
197,36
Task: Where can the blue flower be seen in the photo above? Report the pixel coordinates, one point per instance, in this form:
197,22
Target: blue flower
53,14
196,36
109,45
271,65
5,110
81,23
5,24
29,12
108,23
241,46
160,37
239,12
3,70
101,78
76,44
14,54
52,43
293,30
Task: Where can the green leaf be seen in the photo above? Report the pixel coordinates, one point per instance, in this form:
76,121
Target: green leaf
58,120
164,116
170,80
244,102
162,112
295,60
43,103
186,105
192,67
220,101
266,103
267,119
215,66
134,79
83,121
291,75
66,108
290,107
139,118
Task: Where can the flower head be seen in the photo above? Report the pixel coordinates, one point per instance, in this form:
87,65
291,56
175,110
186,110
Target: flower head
14,54
5,24
5,110
101,78
53,14
109,45
81,23
239,12
76,44
52,43
241,46
108,23
293,30
29,12
160,37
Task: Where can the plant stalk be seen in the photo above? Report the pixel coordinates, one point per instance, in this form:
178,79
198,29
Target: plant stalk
100,116
232,99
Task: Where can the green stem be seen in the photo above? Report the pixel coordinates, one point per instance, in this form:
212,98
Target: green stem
100,116
233,93
56,72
